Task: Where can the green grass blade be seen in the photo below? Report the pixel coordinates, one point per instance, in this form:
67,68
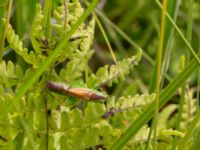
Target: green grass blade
47,17
106,38
2,13
103,16
172,9
3,36
181,35
158,73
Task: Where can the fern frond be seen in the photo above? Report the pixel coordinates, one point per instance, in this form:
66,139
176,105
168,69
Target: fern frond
76,66
79,56
37,30
165,114
86,43
125,109
93,129
9,127
108,75
17,45
170,132
189,109
67,18
10,74
165,137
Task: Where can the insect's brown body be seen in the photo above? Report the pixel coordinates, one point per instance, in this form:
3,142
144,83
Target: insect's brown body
82,93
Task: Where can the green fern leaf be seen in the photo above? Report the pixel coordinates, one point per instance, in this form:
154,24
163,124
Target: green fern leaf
10,74
165,114
79,57
37,30
108,75
189,109
65,18
16,44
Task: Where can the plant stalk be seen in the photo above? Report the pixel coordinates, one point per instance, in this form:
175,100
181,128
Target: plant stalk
2,40
158,73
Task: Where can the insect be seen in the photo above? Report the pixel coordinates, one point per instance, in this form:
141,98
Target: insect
83,93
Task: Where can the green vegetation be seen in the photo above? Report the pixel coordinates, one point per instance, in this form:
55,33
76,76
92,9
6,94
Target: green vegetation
128,74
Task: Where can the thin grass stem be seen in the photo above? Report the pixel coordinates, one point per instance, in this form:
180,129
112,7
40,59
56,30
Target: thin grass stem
2,40
158,73
106,38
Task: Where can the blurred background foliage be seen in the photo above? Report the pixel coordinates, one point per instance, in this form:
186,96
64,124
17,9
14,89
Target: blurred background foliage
139,20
